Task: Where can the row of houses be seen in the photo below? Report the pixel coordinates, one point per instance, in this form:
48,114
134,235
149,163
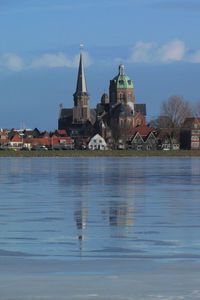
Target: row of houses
142,137
34,139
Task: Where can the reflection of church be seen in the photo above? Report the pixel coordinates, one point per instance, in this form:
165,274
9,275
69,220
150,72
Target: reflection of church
114,117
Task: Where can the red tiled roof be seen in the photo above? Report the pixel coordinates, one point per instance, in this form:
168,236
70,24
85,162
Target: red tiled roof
143,130
16,138
61,131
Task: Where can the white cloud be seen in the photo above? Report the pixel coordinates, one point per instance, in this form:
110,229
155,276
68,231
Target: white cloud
143,52
12,62
151,52
172,51
59,60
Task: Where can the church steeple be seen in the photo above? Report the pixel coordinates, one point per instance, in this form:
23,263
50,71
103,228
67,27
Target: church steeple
81,81
81,110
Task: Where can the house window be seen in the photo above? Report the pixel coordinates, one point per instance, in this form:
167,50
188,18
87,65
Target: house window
195,144
63,142
139,147
194,138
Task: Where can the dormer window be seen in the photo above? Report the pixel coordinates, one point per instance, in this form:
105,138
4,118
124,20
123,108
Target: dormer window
121,82
129,82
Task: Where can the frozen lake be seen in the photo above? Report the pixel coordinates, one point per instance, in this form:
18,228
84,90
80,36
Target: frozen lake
100,228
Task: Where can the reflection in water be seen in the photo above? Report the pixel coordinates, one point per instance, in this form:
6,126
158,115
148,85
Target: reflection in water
105,205
121,213
81,216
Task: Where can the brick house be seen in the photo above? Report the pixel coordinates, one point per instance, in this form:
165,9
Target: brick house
190,134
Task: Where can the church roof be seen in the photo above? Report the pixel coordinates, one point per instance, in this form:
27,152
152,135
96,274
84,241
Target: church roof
140,108
122,81
81,81
122,110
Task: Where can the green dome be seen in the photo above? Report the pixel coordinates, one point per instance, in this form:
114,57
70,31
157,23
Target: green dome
122,81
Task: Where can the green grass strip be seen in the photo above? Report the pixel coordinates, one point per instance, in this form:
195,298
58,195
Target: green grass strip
96,153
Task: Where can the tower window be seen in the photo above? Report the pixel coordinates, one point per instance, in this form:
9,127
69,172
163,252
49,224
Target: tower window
129,97
129,82
121,81
121,96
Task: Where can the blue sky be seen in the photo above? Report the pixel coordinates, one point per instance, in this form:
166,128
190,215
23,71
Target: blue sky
157,40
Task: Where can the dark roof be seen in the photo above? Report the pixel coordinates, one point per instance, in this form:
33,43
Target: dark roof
122,110
81,130
140,108
66,113
93,115
189,122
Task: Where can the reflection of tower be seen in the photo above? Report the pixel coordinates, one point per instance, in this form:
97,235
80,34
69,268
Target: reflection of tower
81,217
81,110
121,213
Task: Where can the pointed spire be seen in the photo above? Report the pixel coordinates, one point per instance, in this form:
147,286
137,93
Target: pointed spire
81,82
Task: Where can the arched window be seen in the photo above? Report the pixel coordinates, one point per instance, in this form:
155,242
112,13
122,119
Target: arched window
121,97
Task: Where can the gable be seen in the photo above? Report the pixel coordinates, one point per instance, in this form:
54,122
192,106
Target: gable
150,137
16,138
137,138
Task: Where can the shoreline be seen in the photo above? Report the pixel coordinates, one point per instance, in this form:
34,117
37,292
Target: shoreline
98,153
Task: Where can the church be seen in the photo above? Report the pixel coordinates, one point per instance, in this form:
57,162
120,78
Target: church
114,118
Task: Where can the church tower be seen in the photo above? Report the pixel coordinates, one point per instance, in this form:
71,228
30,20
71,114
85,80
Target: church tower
121,89
81,109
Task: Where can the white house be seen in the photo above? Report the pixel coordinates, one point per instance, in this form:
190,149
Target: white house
97,143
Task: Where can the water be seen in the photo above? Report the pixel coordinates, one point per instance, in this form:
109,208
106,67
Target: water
100,228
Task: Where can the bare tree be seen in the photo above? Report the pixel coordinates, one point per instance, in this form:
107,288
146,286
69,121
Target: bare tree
196,109
160,122
176,109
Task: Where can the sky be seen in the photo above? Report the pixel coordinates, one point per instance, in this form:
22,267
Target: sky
157,41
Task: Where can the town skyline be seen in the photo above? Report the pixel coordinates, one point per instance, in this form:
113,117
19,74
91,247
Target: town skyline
39,59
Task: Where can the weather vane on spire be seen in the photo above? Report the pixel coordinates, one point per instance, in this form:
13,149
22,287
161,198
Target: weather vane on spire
81,46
